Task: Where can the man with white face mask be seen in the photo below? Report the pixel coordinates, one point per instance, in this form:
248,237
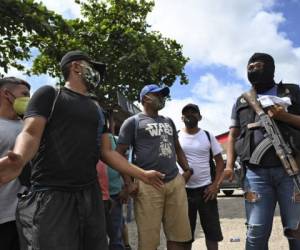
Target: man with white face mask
14,97
155,145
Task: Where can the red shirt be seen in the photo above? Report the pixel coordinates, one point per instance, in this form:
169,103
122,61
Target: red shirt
103,179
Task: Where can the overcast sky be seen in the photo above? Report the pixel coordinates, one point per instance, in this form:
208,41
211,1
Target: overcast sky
219,37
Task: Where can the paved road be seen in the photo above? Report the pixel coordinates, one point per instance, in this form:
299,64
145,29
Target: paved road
233,225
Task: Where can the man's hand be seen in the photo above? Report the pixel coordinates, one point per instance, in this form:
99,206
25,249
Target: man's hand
228,174
133,189
10,167
130,189
211,192
124,195
186,175
277,112
153,178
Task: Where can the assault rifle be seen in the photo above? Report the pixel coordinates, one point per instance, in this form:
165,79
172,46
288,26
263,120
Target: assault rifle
273,137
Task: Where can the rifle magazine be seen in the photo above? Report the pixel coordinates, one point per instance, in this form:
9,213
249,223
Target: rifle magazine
260,150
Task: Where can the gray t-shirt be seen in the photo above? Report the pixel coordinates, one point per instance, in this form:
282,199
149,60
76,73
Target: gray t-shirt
153,143
9,129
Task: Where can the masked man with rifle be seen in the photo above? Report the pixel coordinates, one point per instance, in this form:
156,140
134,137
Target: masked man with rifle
272,174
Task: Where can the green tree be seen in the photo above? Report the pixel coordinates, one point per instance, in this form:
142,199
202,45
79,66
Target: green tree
112,31
19,19
116,32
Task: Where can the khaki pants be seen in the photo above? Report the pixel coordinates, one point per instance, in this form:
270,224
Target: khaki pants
168,206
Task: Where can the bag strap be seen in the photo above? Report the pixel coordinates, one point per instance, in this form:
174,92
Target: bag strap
25,175
57,93
211,161
208,137
136,127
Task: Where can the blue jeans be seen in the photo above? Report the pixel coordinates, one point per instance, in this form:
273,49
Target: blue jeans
264,187
115,225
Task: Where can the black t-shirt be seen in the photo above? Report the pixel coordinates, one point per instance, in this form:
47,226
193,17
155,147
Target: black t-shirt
69,148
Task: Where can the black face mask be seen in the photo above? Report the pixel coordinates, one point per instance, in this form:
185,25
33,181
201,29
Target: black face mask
157,102
262,79
190,121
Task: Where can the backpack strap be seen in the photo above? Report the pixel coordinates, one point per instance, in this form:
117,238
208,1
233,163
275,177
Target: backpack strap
136,127
25,175
57,93
208,137
211,160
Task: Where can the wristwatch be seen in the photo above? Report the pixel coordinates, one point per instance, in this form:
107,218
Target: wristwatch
189,169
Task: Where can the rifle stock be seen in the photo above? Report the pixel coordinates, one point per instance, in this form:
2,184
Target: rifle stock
273,135
251,98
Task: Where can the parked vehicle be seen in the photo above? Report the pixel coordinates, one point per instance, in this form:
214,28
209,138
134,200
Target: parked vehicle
228,187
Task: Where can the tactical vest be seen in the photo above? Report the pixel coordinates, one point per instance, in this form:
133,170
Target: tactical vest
244,145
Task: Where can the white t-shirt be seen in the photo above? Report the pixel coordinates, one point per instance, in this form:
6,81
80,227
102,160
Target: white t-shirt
197,150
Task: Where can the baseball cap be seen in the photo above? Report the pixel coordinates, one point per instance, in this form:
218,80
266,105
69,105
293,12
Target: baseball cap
153,88
79,55
189,107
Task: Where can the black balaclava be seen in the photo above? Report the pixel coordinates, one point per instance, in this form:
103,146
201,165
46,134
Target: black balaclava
262,79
